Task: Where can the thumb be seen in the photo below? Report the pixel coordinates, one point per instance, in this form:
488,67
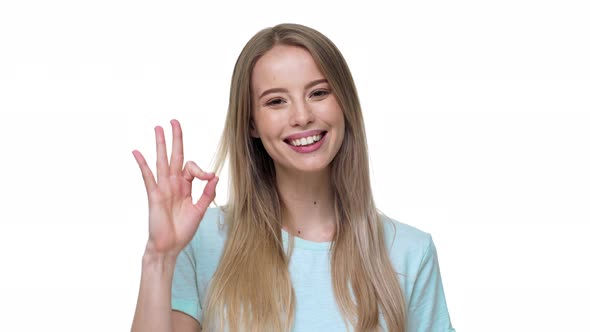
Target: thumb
208,194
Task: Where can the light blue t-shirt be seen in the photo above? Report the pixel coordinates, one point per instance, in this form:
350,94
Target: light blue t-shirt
412,253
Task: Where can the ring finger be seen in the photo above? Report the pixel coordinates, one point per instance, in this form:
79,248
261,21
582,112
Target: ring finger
162,155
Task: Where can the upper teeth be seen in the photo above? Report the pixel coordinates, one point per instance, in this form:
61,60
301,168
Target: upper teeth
305,140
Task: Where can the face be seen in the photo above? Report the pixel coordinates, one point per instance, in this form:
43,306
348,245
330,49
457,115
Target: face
295,114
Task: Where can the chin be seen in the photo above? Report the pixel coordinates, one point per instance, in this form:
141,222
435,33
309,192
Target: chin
311,167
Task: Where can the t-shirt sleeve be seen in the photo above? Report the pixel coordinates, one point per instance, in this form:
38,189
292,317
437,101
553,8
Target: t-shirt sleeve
185,294
427,304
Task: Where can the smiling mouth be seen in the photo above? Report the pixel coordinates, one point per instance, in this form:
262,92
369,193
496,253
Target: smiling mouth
304,141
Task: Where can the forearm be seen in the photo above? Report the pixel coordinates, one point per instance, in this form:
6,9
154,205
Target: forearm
153,311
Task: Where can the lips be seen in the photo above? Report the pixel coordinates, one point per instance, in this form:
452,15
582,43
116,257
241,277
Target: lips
304,134
310,147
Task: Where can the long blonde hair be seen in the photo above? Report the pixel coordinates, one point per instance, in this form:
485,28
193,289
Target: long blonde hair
251,289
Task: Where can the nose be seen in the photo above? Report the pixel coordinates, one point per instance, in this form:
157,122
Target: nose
301,114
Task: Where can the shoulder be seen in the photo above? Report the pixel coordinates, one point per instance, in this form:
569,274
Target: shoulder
413,255
407,245
403,236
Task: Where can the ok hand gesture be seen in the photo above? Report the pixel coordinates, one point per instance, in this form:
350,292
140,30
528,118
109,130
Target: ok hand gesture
173,218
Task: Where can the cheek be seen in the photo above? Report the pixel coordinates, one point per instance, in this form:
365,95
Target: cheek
268,131
268,126
332,111
259,120
336,117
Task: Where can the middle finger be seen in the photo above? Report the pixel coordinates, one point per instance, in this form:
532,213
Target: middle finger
177,157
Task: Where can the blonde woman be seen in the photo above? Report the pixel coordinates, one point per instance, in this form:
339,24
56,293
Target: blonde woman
300,245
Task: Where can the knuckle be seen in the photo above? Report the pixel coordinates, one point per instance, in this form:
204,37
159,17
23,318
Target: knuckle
196,167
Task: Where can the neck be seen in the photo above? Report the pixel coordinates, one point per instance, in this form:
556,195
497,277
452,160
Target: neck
308,202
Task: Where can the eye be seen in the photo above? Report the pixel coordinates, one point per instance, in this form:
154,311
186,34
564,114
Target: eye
274,102
320,93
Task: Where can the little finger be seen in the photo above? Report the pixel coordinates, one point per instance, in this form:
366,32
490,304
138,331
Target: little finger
148,177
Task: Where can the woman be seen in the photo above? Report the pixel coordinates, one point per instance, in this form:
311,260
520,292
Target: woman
300,245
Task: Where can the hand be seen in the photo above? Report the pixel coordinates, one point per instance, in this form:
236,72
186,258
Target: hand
173,218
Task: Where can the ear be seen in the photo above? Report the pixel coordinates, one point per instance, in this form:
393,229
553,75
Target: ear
253,131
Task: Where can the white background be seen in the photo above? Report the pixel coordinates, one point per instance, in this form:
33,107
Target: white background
477,116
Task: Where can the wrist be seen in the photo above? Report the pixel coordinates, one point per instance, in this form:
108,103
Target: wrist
152,256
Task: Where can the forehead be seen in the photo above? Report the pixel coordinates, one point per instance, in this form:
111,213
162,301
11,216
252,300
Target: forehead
284,66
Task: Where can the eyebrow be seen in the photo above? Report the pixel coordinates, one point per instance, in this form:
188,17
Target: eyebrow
307,86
